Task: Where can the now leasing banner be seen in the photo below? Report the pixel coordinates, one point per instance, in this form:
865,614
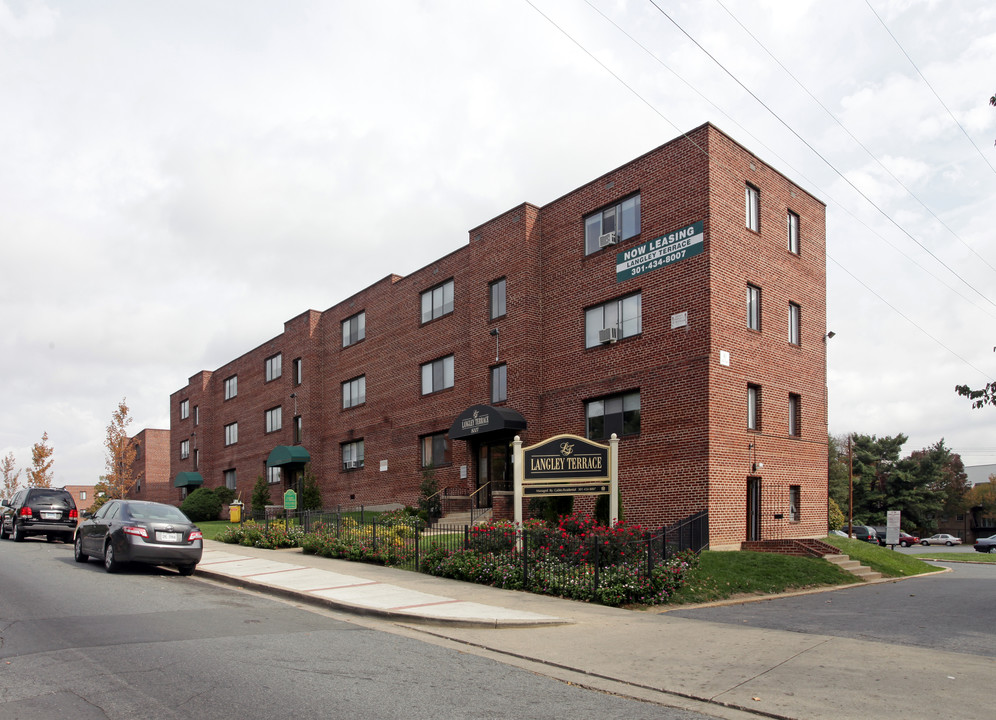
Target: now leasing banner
665,250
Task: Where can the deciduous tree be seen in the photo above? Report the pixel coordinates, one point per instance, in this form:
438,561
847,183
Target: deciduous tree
11,477
39,475
121,452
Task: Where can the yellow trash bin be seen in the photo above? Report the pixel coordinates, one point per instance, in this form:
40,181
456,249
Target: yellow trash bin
235,512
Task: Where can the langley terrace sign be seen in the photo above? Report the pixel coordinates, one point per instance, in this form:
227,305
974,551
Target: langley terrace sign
567,465
566,458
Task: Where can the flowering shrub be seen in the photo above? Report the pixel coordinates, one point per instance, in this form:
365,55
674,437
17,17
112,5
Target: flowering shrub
379,543
274,535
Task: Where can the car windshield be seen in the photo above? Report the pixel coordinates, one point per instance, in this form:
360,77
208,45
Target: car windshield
155,511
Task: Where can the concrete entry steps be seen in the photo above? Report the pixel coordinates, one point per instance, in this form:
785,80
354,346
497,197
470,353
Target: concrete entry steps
853,566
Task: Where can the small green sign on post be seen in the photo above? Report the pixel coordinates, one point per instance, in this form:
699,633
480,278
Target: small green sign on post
290,500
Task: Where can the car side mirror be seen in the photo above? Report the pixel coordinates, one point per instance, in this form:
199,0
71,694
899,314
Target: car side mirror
86,514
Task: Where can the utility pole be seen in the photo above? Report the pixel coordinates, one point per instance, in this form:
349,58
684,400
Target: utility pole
850,489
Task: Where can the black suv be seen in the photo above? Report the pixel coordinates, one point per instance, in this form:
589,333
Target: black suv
39,511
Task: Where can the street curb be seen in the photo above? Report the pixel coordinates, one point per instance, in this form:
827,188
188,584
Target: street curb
393,615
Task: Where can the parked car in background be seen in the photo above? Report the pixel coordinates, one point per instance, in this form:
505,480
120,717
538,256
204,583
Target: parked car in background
907,540
986,544
126,531
866,533
39,511
942,539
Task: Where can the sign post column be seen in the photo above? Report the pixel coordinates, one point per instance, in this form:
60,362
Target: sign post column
613,480
518,472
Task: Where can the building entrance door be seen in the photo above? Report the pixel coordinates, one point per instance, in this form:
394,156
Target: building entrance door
753,508
492,472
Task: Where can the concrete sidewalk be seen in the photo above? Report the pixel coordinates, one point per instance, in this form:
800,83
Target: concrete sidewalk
717,669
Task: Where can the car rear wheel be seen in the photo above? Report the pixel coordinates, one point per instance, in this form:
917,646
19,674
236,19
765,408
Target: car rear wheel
111,565
3,532
78,554
186,569
949,543
18,534
992,549
924,543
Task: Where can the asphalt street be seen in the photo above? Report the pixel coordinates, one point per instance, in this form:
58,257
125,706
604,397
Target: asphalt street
952,612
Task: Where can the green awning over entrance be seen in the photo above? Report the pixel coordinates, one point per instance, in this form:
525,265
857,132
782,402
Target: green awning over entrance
188,479
287,455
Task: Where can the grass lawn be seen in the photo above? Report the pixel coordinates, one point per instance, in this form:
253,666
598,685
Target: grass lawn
975,557
723,575
212,528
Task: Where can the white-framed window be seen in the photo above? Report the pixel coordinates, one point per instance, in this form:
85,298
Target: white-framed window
795,415
197,459
499,383
231,433
437,375
612,225
436,450
793,233
795,502
793,325
354,329
619,414
753,208
354,392
274,419
197,414
753,307
231,387
496,306
352,455
184,449
82,494
230,480
272,475
753,407
274,366
298,371
298,429
437,301
620,318
184,409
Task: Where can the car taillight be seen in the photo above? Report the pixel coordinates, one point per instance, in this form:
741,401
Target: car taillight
73,514
195,535
133,530
25,512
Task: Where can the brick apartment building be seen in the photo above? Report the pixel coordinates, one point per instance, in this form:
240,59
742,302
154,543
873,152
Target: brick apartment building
678,301
151,468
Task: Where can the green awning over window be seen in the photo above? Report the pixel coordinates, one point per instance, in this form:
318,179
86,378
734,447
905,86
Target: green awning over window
188,479
287,455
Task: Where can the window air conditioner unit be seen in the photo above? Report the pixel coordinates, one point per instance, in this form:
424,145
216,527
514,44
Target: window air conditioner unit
606,239
608,335
350,464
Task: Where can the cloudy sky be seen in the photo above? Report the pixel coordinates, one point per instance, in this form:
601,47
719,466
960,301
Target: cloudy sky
162,164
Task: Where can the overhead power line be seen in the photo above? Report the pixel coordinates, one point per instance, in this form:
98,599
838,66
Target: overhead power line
841,125
818,154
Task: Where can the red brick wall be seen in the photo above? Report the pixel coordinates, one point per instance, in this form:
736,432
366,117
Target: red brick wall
152,467
693,448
